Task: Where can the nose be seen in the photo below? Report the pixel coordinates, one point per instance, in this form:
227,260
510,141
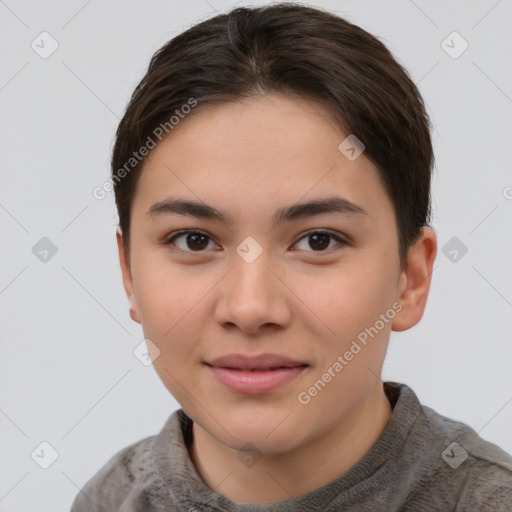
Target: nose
253,297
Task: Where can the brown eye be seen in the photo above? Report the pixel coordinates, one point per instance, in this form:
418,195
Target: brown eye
190,241
319,241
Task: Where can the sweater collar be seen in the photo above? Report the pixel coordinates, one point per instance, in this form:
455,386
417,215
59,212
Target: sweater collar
189,491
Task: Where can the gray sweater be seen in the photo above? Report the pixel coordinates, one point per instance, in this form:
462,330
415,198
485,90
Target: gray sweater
422,462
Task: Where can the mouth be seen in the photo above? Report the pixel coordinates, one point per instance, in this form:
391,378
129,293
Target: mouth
255,375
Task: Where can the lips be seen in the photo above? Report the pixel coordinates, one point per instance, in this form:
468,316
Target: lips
257,374
255,363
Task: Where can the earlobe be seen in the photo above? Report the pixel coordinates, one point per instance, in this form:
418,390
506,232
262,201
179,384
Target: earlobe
414,282
127,278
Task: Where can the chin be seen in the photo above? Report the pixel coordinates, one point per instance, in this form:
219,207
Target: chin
266,430
252,441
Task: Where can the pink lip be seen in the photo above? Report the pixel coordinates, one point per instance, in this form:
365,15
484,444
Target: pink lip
257,381
253,375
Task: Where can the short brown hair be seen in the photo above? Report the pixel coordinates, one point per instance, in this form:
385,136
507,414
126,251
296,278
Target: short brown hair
291,49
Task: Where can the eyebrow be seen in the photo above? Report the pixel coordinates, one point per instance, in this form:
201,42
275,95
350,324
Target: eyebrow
299,210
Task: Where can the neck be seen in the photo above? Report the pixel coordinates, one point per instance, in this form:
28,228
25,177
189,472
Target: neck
277,477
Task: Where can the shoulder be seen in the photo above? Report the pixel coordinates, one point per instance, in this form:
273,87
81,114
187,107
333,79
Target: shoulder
488,488
482,469
130,471
489,475
443,429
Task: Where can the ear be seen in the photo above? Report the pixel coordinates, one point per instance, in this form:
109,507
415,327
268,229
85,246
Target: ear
414,281
127,278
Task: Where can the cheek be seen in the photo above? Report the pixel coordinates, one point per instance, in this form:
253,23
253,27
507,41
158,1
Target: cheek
347,300
166,294
171,318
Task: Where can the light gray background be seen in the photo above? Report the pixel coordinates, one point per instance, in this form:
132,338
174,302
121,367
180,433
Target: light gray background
67,372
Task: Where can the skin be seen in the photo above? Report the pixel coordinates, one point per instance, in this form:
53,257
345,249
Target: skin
247,159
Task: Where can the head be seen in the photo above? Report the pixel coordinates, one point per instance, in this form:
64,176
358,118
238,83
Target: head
246,115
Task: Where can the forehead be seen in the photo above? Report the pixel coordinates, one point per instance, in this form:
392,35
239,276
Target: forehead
270,150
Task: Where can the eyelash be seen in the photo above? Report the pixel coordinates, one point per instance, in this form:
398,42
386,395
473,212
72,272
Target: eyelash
170,241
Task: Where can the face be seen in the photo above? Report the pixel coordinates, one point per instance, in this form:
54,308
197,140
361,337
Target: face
304,288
